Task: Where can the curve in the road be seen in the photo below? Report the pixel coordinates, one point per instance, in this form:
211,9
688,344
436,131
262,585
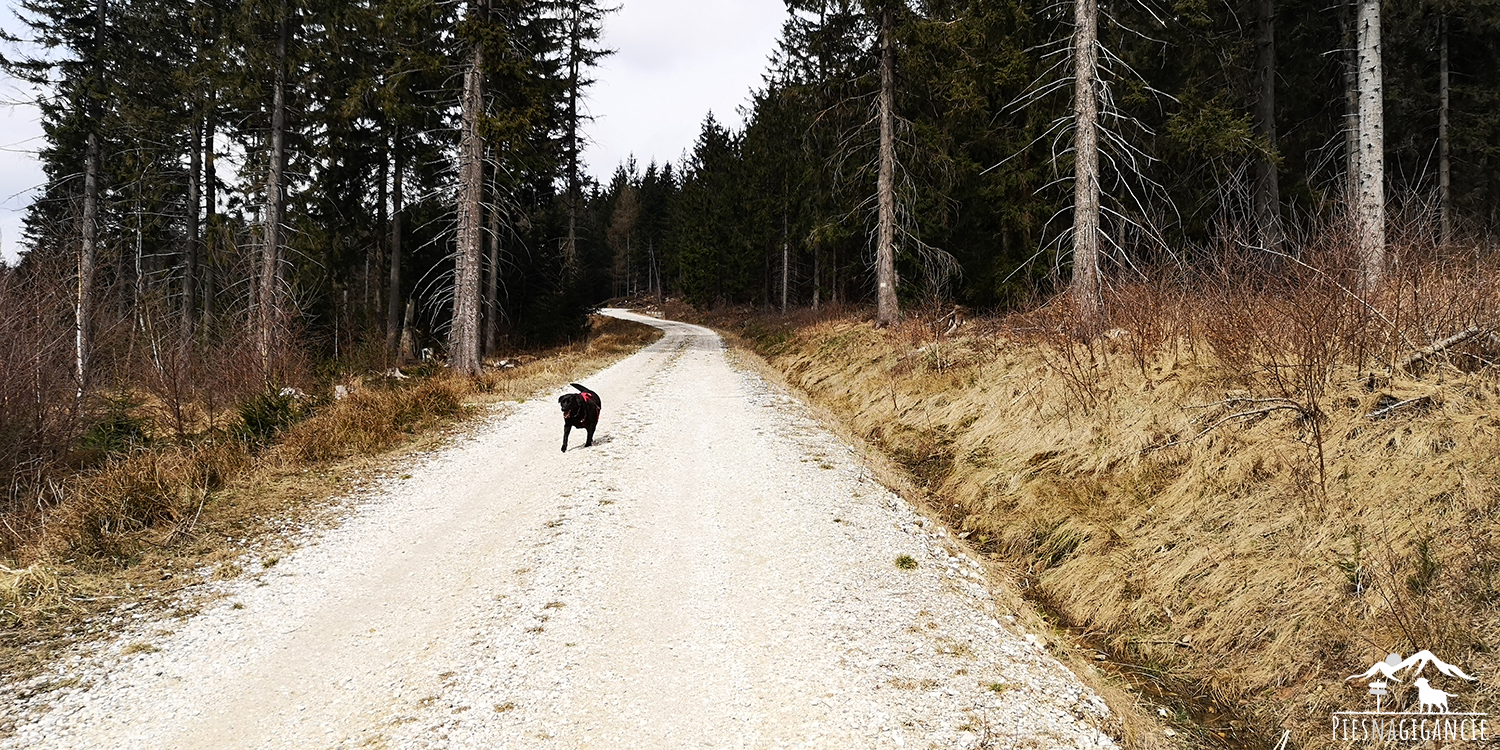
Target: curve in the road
717,571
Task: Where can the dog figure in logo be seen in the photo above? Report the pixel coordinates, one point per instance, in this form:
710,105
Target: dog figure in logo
1430,698
580,410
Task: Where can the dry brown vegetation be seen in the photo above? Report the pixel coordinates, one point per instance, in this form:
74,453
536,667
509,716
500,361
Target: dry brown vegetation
1208,491
147,520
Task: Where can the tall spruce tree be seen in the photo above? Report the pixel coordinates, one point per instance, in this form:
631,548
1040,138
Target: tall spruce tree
582,22
463,337
72,118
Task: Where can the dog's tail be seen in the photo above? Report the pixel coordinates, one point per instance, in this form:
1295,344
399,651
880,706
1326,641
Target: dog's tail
588,395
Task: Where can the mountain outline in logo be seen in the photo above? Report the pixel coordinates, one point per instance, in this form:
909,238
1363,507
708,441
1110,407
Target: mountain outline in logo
1433,719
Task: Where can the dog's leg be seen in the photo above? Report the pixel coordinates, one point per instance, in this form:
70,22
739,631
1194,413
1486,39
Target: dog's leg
567,428
590,441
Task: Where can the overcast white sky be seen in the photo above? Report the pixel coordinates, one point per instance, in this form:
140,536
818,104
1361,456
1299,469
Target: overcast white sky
676,60
19,138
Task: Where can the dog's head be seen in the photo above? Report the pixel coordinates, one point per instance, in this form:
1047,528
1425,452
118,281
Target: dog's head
572,405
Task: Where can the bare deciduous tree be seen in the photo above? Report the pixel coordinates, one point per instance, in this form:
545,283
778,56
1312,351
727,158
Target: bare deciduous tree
1445,188
1267,186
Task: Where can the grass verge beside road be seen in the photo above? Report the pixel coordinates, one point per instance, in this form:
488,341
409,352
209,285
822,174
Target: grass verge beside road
1232,546
149,522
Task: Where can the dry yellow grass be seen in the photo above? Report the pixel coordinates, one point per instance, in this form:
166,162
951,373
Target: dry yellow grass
373,419
610,340
1246,572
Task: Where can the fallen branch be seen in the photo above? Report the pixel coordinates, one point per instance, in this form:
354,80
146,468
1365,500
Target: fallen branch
1451,341
1385,412
1288,405
1232,400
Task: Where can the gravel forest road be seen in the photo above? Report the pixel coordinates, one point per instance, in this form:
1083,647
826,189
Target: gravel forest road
717,571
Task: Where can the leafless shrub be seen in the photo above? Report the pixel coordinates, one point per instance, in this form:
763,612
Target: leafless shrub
38,404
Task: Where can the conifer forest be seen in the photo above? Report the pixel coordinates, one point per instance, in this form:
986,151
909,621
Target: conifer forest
243,193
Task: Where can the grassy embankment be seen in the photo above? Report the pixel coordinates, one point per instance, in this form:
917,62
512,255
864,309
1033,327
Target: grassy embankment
1211,500
147,521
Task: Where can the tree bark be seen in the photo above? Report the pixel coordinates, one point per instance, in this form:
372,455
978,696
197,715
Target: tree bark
887,310
190,253
88,248
210,198
786,257
408,350
1445,194
138,268
393,323
87,253
376,254
1371,206
270,313
817,279
1351,102
575,52
492,276
1086,285
463,338
655,269
1267,187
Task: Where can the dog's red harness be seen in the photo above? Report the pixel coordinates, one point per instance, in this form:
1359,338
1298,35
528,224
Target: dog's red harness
585,397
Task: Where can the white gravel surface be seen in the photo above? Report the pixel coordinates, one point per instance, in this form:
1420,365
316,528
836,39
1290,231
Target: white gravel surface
717,571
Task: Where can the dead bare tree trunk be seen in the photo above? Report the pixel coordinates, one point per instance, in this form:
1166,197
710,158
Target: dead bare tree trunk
270,298
393,304
375,255
408,350
1445,195
575,63
1351,102
1267,187
88,248
887,310
1086,285
655,269
1371,206
210,199
87,254
492,278
786,256
463,336
190,253
817,279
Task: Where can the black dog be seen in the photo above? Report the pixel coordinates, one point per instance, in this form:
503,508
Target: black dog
580,410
